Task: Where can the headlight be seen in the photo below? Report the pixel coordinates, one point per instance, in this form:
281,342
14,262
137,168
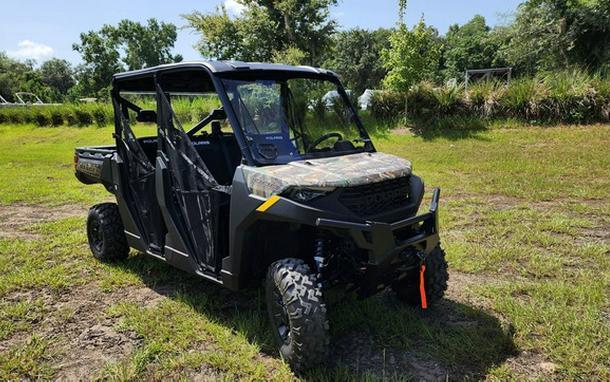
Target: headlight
307,194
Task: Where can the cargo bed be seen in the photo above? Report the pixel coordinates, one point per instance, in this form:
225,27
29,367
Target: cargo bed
93,164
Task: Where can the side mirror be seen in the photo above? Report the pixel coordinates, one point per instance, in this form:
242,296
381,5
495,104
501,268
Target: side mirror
146,116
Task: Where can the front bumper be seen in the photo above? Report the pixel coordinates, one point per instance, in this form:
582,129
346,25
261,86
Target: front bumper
384,240
388,243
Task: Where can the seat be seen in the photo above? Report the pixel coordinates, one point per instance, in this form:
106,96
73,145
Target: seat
220,152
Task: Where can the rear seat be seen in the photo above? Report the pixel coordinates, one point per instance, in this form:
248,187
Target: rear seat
221,154
219,151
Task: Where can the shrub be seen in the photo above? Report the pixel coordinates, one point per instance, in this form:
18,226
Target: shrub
570,97
70,116
57,118
100,116
387,105
522,98
602,97
482,98
421,101
42,118
449,100
16,115
83,117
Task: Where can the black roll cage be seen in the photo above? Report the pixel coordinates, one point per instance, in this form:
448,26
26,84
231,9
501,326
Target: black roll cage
152,79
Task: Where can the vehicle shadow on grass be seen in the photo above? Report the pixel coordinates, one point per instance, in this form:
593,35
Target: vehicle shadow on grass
452,128
378,337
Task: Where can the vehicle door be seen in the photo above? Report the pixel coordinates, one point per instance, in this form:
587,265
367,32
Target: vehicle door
139,206
195,194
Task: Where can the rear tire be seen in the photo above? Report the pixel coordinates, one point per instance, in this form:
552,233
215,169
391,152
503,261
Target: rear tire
435,280
106,234
297,313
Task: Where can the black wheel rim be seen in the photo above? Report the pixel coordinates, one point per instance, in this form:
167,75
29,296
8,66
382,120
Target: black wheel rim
281,322
96,240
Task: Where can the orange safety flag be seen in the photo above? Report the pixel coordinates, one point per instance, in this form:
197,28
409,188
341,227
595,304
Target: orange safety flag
422,287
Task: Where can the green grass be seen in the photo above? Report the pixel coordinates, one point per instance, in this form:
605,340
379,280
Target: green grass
524,219
37,163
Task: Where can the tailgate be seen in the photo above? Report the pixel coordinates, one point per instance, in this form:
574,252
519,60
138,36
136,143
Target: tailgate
92,164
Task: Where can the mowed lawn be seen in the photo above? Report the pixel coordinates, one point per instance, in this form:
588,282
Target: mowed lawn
525,221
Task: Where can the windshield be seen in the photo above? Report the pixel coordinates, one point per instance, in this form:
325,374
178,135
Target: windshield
295,118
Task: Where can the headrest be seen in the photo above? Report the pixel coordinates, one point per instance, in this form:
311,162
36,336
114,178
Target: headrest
216,128
146,116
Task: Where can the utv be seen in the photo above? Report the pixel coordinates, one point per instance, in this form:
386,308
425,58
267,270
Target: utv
272,184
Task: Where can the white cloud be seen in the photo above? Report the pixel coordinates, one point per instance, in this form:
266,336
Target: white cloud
234,7
32,50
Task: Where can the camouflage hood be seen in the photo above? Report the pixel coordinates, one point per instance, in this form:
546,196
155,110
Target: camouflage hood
341,171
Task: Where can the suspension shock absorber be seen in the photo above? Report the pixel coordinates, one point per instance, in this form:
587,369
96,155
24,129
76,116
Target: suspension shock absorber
319,255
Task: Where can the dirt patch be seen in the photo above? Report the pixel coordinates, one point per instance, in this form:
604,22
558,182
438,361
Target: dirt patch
15,218
87,337
595,235
532,365
486,199
402,131
460,283
92,349
362,355
506,201
83,337
503,202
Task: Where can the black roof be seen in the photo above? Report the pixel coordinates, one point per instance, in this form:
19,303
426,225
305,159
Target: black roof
225,67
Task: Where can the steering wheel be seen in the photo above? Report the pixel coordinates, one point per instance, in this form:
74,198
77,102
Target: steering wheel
324,137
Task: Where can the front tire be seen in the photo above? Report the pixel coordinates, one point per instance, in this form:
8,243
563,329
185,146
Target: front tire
297,313
106,234
435,280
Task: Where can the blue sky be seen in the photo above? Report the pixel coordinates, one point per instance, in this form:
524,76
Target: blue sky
43,29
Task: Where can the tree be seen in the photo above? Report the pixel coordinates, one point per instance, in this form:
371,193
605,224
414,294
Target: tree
58,76
556,34
265,29
413,56
146,46
356,57
221,36
469,46
289,56
10,73
141,45
100,55
17,76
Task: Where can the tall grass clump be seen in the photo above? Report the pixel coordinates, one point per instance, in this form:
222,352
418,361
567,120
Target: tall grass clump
421,100
387,105
570,97
482,98
601,84
522,99
449,100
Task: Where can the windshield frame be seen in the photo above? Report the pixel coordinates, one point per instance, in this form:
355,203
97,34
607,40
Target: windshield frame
269,75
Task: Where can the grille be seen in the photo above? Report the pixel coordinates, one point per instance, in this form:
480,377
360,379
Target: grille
375,198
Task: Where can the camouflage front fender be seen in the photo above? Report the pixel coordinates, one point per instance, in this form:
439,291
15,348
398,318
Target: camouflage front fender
327,173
